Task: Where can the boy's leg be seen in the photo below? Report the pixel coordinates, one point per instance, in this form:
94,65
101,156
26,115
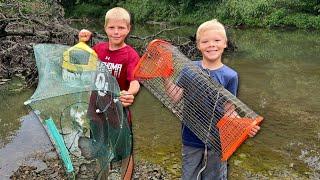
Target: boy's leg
215,169
191,162
128,162
128,165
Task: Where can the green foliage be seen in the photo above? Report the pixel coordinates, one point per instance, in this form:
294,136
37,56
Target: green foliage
271,13
303,21
140,10
147,10
68,4
203,11
89,10
275,17
250,13
301,6
302,14
189,6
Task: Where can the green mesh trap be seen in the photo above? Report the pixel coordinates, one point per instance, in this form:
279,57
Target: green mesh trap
79,95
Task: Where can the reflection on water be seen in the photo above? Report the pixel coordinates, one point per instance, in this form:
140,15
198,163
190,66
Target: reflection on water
279,79
29,146
11,108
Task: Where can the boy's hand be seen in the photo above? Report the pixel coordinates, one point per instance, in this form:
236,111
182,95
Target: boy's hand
254,130
126,98
84,35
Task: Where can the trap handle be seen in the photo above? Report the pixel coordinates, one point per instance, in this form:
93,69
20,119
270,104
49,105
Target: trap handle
59,144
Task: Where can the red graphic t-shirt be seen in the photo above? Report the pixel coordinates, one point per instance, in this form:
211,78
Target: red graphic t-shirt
120,63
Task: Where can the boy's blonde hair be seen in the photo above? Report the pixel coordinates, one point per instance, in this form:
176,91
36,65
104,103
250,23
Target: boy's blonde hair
211,25
117,13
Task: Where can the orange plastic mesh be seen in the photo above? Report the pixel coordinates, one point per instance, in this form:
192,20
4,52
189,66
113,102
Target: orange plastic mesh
155,62
233,132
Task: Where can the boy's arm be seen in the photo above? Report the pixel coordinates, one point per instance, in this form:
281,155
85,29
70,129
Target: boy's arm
84,35
254,130
230,110
127,97
229,107
134,87
173,91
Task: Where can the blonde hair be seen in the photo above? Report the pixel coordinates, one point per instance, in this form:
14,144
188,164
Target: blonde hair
117,13
211,25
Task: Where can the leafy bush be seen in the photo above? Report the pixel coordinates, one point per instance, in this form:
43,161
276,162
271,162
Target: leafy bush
252,13
89,11
150,10
303,21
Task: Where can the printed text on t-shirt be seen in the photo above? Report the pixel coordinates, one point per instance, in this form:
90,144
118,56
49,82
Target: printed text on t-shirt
114,69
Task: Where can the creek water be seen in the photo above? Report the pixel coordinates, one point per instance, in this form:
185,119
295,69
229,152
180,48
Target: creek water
279,79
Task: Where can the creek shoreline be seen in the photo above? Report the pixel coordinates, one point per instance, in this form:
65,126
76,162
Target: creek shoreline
54,169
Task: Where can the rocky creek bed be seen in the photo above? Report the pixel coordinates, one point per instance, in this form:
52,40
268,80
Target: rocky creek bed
55,170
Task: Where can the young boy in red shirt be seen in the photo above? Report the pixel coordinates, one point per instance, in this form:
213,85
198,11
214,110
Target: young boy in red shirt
119,58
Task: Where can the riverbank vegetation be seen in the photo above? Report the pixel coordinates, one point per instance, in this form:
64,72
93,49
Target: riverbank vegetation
302,14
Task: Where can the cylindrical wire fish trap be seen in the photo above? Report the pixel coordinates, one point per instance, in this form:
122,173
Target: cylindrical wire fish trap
218,118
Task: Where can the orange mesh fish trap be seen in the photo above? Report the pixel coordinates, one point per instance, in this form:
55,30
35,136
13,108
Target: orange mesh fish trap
218,118
158,59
